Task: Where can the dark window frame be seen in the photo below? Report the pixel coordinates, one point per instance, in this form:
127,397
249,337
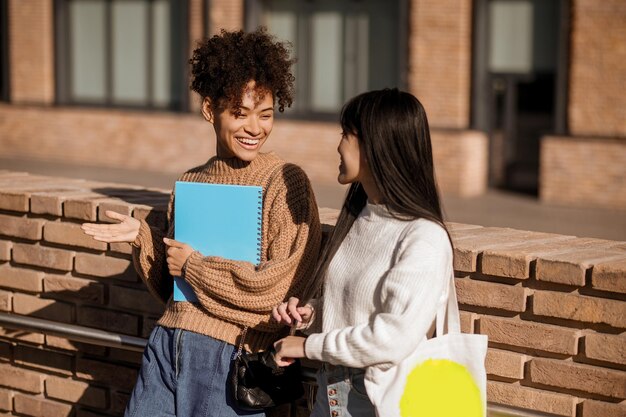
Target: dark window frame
480,118
4,51
252,18
180,45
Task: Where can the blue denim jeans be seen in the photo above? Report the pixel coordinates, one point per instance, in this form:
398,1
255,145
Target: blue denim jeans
184,374
341,393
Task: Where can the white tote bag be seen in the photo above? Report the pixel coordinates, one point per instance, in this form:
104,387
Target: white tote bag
444,377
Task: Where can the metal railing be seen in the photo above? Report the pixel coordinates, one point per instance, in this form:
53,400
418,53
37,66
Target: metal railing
137,344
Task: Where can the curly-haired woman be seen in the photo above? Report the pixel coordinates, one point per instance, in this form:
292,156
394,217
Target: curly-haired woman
242,78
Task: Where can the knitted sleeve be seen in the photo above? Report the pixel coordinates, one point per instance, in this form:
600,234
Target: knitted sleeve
411,291
291,250
149,256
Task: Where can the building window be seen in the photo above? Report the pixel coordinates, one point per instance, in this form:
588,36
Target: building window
4,51
127,53
342,47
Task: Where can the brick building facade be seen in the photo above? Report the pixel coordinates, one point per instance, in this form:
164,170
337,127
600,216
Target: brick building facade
441,54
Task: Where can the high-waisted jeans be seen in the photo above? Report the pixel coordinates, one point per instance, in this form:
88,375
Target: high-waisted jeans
184,374
341,393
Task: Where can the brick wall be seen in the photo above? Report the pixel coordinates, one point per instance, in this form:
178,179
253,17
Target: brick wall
589,171
176,142
597,106
31,51
439,59
553,306
226,14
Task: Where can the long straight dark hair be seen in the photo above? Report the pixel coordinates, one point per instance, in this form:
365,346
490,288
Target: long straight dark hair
392,130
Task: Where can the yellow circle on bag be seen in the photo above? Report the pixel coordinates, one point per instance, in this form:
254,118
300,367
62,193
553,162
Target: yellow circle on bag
440,388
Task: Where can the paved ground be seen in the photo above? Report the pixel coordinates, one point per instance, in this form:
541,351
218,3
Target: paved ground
495,208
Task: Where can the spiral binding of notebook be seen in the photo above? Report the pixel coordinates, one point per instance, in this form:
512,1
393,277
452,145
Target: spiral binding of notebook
259,241
220,220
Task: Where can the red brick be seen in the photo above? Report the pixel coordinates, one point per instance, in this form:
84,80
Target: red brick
607,348
21,227
531,399
108,374
6,351
43,256
147,326
591,408
43,359
67,287
579,377
75,392
20,278
21,379
5,300
5,250
505,364
121,247
36,338
492,295
65,344
108,320
6,400
571,268
155,217
527,334
40,407
14,201
117,206
83,207
118,402
469,243
105,267
515,261
52,202
86,413
609,276
125,356
70,234
580,308
467,321
128,298
29,305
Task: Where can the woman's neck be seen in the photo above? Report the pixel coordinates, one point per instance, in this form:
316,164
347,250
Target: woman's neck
374,195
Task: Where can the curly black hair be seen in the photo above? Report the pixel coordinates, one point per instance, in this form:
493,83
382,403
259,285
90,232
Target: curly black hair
222,66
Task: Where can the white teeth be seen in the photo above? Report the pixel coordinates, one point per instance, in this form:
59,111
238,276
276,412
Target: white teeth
248,141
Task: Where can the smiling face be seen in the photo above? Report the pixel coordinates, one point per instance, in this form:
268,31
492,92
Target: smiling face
351,162
241,132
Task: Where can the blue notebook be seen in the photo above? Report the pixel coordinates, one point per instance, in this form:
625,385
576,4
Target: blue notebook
217,220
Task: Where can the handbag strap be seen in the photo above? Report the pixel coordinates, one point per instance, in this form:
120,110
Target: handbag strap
448,318
242,339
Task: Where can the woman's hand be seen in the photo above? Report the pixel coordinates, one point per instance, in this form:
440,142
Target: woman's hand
288,350
125,231
288,311
177,254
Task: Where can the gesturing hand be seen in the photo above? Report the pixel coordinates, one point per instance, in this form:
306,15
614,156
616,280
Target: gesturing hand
177,254
125,231
288,311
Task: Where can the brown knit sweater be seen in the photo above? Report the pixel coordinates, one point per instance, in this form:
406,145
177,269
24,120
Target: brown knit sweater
235,294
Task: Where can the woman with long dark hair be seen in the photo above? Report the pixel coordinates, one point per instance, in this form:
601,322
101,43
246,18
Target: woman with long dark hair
385,270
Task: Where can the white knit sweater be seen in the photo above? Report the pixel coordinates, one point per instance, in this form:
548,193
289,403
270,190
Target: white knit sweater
381,292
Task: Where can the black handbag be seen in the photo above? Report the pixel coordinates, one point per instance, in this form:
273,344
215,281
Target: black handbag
258,382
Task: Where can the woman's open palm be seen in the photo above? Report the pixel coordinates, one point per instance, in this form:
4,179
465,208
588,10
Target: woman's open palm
124,231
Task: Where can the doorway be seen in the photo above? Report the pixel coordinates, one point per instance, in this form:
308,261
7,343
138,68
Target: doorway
519,84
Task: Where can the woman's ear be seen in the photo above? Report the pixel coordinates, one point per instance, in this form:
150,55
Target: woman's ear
207,110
